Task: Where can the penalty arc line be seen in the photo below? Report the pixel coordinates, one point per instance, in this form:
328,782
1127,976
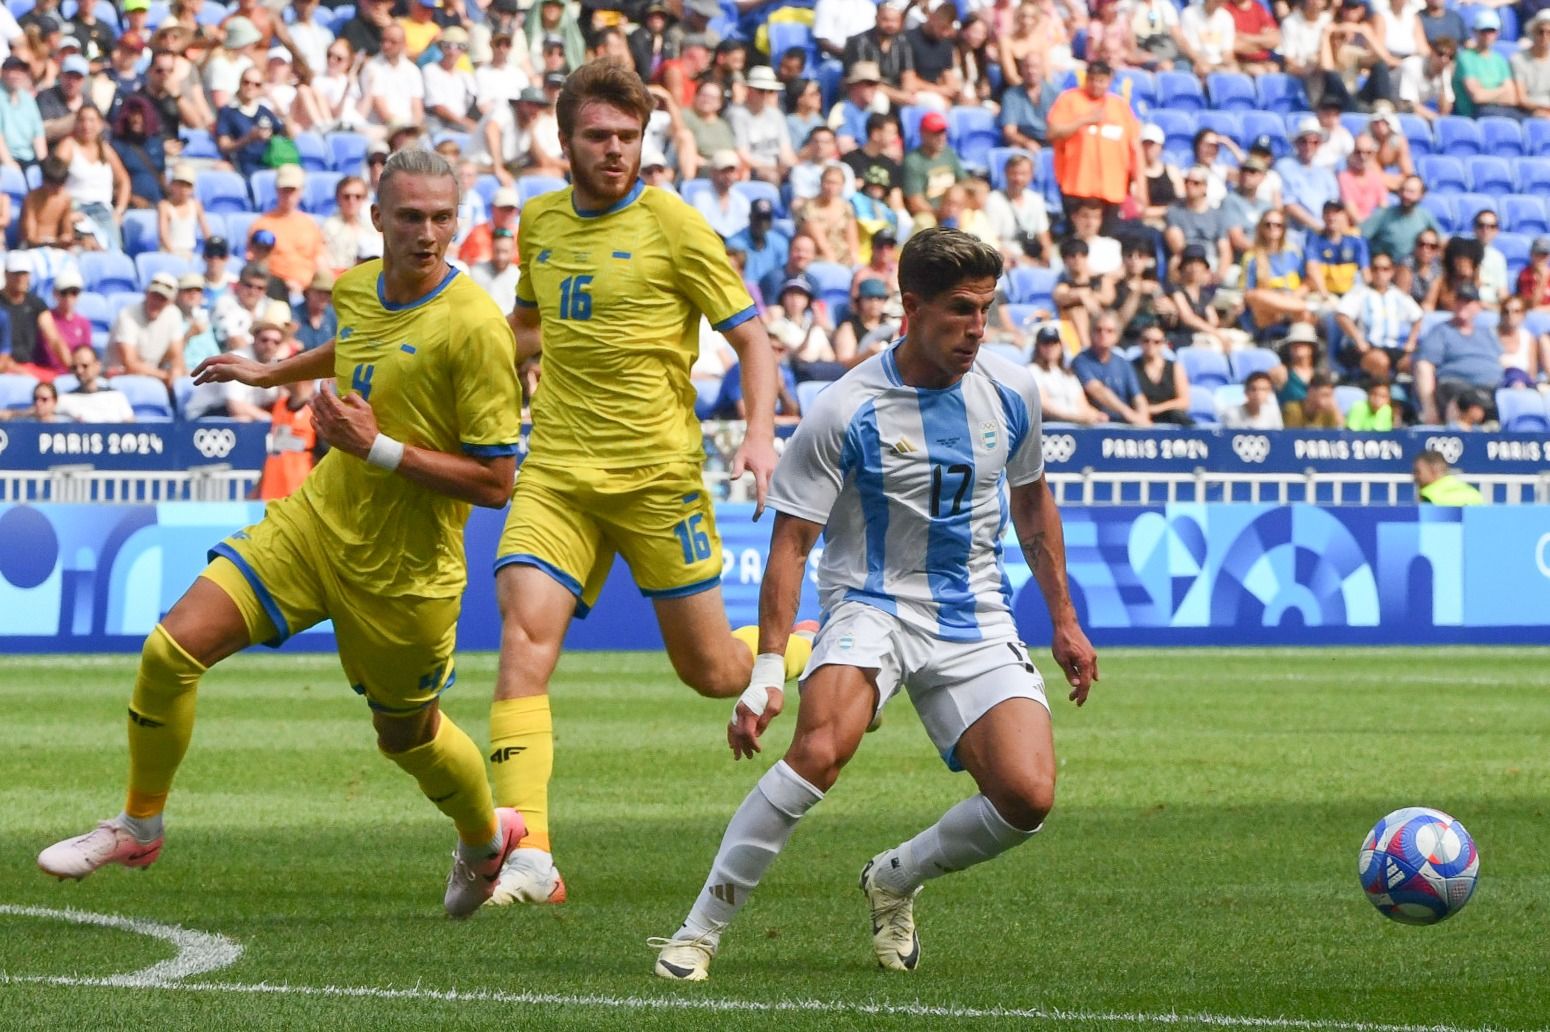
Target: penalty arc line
725,1006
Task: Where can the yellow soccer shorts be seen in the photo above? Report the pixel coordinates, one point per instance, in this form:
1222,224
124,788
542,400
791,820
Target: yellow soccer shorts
570,523
396,651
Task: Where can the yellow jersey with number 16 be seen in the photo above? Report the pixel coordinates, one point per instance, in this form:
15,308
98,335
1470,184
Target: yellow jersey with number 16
440,373
619,293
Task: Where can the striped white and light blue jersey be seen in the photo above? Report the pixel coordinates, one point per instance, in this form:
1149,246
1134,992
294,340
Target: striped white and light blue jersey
911,487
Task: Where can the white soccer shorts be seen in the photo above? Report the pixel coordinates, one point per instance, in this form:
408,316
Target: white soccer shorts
951,684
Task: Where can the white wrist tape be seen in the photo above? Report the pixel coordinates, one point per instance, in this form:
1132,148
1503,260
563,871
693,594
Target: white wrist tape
769,671
385,453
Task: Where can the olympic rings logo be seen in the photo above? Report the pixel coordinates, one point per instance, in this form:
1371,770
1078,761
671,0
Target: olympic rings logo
1058,447
1450,448
215,444
1251,447
5,441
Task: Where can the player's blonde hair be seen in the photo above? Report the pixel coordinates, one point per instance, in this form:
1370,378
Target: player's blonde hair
604,81
417,161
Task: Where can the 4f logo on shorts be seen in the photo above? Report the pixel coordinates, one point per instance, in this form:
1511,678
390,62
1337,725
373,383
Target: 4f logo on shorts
508,752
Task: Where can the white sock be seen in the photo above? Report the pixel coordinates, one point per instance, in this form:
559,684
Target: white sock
144,829
968,834
477,851
755,836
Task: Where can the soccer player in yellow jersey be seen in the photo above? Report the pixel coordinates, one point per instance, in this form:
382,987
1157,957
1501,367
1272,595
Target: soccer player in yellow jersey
615,276
372,540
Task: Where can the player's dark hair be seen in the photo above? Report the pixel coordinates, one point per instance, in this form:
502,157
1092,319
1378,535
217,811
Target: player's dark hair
603,82
936,260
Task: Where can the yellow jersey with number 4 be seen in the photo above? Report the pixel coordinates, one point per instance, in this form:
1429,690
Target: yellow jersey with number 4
440,373
619,293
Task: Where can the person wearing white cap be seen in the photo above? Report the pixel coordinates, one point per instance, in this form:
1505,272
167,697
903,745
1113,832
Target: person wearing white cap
1531,66
1305,186
36,348
298,242
73,328
228,62
724,208
759,127
179,216
1482,80
147,336
450,91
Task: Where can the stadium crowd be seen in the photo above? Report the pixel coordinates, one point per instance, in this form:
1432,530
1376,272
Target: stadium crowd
1220,213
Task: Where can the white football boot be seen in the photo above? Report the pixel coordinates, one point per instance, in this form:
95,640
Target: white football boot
894,939
683,960
528,876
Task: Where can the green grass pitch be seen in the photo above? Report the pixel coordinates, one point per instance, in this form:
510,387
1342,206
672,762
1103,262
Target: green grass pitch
1199,870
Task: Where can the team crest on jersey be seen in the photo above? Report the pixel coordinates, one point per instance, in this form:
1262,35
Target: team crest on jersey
988,434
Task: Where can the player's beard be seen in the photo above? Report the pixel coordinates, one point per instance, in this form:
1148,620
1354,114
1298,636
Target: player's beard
608,189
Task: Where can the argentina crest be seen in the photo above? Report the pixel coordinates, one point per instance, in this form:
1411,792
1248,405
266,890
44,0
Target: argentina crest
988,434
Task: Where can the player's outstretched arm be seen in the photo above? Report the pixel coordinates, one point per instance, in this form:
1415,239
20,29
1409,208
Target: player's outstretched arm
757,364
790,542
317,364
1037,521
525,326
349,425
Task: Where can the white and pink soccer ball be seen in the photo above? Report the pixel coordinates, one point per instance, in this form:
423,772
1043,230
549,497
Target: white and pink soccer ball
1418,866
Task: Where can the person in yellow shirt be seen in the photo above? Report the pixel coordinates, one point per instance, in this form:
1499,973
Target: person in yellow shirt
614,278
373,539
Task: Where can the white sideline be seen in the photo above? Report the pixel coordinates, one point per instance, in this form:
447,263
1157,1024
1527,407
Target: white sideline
203,952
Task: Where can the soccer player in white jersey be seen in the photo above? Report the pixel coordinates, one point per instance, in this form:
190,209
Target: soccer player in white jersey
910,465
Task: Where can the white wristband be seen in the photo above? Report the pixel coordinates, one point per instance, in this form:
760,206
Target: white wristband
385,453
769,671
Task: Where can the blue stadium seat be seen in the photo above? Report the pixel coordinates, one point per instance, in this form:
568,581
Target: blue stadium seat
147,396
1536,322
199,144
141,231
690,189
1443,174
758,190
1264,123
1223,123
14,183
706,394
997,159
1202,404
463,140
1177,126
19,8
238,225
1459,136
1180,91
1468,205
1346,397
485,186
831,84
1514,247
314,151
1011,352
1355,123
785,35
1024,316
1231,91
1533,176
1490,175
213,14
1536,137
909,125
1044,178
833,282
152,262
317,197
1228,395
1280,93
261,186
1137,85
1443,210
1503,137
1419,132
346,152
182,392
1032,286
1525,214
64,383
1247,361
807,393
106,271
222,192
16,390
972,132
529,187
1205,368
340,15
1522,411
94,307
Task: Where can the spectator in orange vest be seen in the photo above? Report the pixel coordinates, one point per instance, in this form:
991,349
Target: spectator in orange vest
1097,143
292,439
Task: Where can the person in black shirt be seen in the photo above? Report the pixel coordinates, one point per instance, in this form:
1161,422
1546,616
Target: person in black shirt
364,31
882,131
36,347
885,45
931,43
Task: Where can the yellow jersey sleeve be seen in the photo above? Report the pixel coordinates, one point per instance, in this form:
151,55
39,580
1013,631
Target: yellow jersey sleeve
705,275
484,379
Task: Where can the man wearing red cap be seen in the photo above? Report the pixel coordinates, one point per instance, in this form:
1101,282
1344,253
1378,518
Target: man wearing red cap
932,168
1097,143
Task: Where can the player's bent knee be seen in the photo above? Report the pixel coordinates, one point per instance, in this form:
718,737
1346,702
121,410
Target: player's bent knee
166,666
819,757
1025,803
400,732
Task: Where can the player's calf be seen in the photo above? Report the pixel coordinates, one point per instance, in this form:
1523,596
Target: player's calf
110,842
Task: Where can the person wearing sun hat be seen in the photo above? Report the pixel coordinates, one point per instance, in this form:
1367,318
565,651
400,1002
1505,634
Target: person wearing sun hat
848,116
1306,186
147,336
759,127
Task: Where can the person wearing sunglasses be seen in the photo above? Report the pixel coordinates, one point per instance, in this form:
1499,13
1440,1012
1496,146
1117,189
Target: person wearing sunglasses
450,90
348,233
44,407
244,127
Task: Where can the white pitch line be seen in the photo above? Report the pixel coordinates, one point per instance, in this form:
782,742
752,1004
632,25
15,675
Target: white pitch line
724,1006
198,952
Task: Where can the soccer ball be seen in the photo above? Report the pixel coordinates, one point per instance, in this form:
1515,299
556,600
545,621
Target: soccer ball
1418,866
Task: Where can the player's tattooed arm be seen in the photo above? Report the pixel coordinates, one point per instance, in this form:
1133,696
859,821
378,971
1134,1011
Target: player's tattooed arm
1037,521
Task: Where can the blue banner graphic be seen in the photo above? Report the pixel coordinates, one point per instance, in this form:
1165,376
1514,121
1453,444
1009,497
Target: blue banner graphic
98,577
133,446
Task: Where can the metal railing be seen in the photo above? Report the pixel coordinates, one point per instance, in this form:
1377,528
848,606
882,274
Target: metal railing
83,484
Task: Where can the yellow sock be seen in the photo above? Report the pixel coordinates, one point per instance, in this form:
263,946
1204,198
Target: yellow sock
450,772
799,648
161,721
522,761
